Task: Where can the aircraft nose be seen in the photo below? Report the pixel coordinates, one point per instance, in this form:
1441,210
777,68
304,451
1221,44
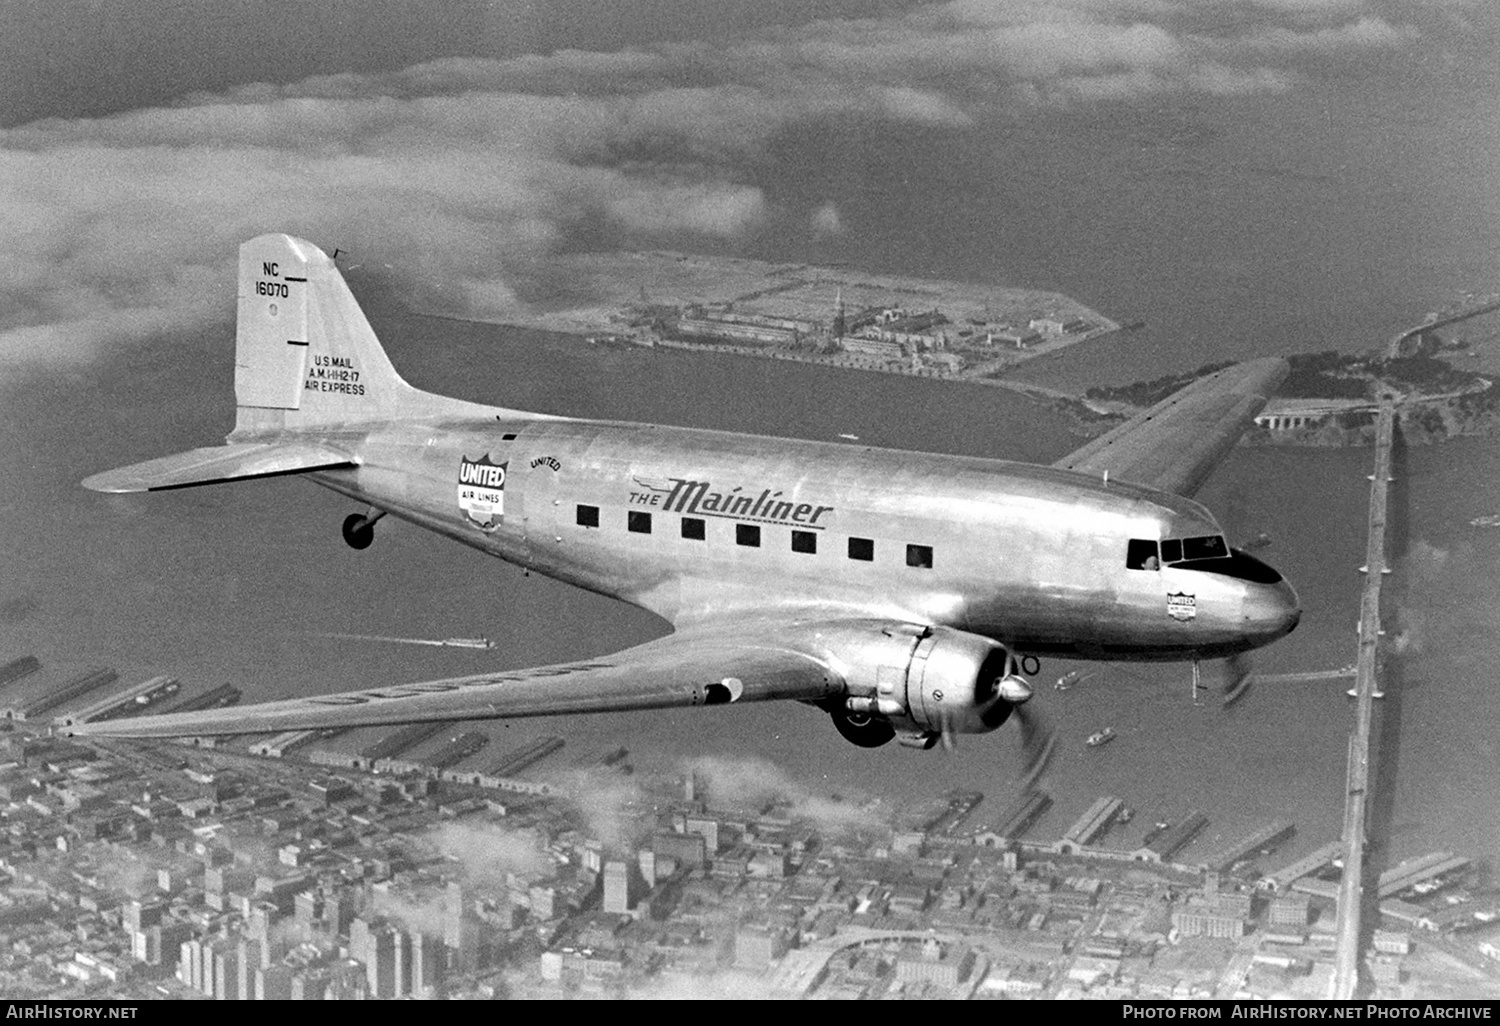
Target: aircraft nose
1271,611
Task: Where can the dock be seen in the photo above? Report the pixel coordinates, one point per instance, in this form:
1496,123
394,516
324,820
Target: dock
1175,838
1265,839
457,750
1092,824
1281,881
1019,818
1419,870
403,740
515,762
18,668
133,699
214,698
281,745
37,697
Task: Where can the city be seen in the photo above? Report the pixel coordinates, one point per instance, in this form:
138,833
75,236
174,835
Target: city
418,862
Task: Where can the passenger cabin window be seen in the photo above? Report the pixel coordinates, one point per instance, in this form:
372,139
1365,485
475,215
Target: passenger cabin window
692,528
862,548
638,522
804,541
920,556
588,516
747,534
1141,554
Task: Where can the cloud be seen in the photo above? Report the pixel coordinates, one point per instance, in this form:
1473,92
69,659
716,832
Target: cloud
460,172
488,853
826,219
609,803
754,783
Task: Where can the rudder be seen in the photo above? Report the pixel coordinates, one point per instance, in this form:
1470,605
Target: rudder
304,353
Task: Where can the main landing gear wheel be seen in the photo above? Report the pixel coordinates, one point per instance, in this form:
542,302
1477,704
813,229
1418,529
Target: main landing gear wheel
862,729
359,529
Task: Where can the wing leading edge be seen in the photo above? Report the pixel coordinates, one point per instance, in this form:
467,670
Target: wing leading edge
696,668
1176,444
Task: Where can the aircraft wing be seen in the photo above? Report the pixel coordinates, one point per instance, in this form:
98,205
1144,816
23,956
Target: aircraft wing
700,667
1176,444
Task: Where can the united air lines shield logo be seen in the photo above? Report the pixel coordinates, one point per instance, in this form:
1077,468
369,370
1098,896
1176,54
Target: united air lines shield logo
481,491
1181,606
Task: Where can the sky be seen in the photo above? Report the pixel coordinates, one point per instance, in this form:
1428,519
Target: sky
143,142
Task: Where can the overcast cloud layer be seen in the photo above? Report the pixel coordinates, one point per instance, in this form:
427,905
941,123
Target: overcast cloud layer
115,229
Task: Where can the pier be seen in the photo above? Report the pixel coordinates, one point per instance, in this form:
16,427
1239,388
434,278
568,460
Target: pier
1091,825
1417,871
1018,818
125,703
514,762
1172,840
1281,880
1265,839
404,740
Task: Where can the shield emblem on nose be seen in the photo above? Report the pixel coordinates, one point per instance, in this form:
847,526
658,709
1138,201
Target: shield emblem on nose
1181,606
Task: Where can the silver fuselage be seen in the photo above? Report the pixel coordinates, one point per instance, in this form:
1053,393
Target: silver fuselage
1033,557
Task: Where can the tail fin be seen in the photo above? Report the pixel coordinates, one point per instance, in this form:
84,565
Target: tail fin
306,364
305,357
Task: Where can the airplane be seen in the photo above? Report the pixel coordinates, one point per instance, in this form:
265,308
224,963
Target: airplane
907,595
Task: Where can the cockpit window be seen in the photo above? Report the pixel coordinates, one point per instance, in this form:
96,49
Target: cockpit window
1210,546
1141,555
1171,550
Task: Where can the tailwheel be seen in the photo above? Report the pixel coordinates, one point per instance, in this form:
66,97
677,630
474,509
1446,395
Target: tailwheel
359,529
862,729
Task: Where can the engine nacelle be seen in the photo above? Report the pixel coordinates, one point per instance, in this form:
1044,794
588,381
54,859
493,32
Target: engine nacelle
953,683
934,680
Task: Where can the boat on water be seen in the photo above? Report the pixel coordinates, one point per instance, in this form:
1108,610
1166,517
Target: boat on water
1488,520
1102,737
852,438
1070,678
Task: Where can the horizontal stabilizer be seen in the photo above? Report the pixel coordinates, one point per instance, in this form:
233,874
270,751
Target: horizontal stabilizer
218,463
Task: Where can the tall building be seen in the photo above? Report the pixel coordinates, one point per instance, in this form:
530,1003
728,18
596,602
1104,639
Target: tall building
707,828
137,915
543,903
249,955
427,960
225,960
386,954
622,886
374,944
190,964
460,931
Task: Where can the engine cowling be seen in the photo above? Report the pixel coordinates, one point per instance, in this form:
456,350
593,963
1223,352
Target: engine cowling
930,680
953,683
